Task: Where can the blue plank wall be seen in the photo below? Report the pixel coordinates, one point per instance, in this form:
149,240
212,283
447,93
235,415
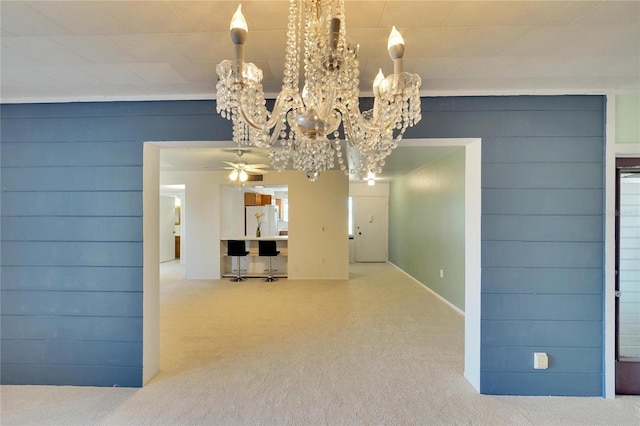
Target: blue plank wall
72,231
71,275
542,236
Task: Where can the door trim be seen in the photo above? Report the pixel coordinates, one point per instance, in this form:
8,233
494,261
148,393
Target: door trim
612,150
624,370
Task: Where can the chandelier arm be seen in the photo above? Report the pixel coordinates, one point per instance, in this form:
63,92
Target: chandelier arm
276,132
368,126
248,120
347,125
325,108
378,126
348,132
280,108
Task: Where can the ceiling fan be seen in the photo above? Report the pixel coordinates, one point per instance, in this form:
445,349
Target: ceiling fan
241,170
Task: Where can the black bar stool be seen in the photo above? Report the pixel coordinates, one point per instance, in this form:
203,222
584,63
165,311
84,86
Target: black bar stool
237,248
268,248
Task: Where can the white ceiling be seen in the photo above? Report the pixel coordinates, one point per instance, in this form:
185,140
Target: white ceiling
134,50
207,158
124,50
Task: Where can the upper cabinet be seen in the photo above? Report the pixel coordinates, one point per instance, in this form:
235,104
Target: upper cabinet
255,199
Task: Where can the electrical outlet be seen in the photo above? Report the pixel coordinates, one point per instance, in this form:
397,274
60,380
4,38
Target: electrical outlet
540,361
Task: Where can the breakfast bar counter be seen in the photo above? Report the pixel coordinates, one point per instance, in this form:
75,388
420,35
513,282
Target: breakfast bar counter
253,265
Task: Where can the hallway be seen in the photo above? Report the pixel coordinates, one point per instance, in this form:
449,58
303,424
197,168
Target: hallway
377,349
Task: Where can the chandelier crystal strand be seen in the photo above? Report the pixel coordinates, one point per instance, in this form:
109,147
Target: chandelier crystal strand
281,149
304,126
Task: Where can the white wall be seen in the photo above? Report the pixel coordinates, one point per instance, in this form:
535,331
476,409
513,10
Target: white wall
151,260
318,235
472,255
362,189
318,238
201,218
231,223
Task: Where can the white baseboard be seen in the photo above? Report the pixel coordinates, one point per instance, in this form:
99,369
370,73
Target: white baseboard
451,305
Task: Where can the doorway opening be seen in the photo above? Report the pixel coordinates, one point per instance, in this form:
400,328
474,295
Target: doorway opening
151,181
370,231
171,222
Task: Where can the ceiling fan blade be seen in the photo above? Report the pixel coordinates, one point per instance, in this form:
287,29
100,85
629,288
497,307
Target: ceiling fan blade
259,166
258,171
234,165
237,151
252,168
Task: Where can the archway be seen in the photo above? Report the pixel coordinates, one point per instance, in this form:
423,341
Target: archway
151,181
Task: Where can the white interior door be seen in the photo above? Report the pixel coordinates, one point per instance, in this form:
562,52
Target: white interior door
167,228
371,224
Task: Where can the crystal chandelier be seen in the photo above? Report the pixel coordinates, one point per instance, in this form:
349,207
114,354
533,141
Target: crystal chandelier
305,126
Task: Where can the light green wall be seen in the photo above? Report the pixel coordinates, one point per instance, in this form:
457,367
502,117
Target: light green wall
426,225
627,118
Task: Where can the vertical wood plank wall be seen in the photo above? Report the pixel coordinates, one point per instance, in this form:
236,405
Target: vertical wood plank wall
72,235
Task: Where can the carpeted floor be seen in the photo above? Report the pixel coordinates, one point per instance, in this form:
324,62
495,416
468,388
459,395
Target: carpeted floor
377,349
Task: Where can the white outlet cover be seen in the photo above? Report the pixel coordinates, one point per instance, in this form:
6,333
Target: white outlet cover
540,361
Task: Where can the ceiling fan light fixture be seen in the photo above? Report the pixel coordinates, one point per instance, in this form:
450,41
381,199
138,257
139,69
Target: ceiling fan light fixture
233,175
371,179
243,176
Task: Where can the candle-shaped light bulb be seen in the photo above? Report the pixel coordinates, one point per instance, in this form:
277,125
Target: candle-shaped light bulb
238,31
395,45
334,33
395,38
238,21
376,83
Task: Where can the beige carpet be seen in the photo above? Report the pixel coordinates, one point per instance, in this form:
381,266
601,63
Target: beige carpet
377,349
